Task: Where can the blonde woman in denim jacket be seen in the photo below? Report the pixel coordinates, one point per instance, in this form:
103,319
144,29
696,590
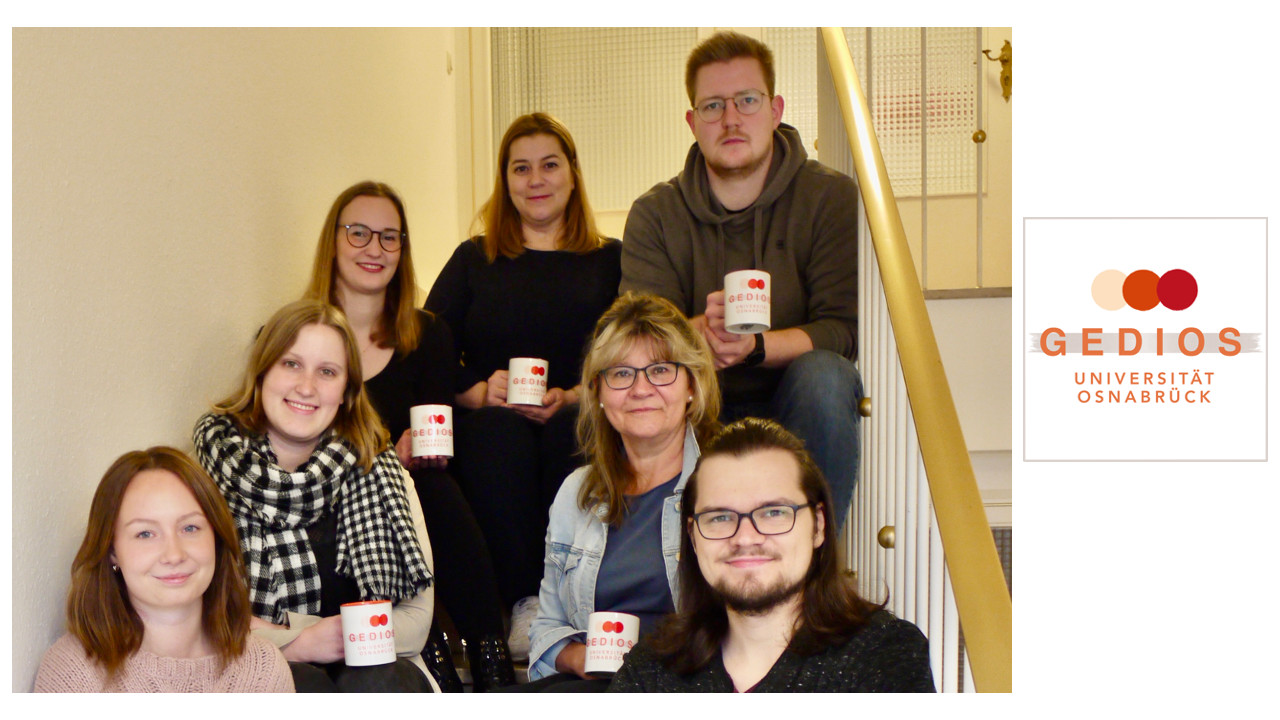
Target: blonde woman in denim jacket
650,397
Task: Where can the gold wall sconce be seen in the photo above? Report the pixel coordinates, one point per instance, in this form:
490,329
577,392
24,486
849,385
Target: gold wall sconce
1005,58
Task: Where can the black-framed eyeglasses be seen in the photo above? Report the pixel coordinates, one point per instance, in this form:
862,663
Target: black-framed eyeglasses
748,102
767,520
360,235
622,377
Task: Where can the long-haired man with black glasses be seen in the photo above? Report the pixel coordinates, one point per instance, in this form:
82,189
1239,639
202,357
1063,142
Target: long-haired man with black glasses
764,606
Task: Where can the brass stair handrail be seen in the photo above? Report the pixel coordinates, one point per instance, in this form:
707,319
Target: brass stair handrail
982,597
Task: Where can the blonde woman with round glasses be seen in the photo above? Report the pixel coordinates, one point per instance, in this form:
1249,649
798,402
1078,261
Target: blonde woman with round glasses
650,396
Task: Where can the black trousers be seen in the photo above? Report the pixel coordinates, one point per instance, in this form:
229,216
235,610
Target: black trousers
510,469
399,676
465,582
561,683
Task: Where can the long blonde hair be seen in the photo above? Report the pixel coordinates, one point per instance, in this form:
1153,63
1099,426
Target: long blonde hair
502,226
356,422
634,318
398,327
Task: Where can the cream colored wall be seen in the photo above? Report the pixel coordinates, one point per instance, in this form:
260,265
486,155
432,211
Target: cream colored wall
476,164
973,340
168,187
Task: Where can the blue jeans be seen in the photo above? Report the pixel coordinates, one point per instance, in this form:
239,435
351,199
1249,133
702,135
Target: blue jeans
818,401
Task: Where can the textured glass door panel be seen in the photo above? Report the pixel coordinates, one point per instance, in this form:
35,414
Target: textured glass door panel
795,54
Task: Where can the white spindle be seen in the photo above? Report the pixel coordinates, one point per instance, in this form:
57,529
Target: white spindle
900,501
950,637
875,576
935,631
884,377
911,519
924,518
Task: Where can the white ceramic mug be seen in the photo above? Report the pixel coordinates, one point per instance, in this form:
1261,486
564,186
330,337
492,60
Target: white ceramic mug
746,301
367,635
610,636
431,427
526,381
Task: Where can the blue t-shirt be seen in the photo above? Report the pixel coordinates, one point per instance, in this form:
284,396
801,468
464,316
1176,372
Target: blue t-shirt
633,575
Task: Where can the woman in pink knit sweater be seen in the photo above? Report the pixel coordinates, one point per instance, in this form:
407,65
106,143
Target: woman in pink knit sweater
158,601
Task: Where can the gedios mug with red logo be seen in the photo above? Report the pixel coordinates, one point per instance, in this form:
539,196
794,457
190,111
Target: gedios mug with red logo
431,427
746,302
367,635
526,381
610,636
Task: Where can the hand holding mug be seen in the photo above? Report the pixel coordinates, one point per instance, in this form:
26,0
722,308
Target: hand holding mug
555,399
404,451
715,316
729,348
573,659
496,393
319,643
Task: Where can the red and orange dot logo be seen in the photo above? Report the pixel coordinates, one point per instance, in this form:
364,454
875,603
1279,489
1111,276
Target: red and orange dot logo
1143,290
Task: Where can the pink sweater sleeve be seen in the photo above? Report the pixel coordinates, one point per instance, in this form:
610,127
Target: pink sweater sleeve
66,669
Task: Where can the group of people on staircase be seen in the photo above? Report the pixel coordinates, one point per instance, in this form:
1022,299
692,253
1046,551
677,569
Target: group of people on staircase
626,489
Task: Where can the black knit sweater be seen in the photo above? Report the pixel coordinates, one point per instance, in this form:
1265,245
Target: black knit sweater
541,304
886,655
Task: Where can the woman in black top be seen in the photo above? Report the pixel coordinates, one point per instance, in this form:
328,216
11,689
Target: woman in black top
533,285
363,265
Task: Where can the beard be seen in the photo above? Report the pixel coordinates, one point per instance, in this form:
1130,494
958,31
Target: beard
726,172
751,599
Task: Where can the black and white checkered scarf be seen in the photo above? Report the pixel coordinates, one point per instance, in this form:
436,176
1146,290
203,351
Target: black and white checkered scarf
377,544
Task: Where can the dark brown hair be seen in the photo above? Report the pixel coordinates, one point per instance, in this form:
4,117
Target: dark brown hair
502,226
99,613
724,46
399,324
357,422
831,609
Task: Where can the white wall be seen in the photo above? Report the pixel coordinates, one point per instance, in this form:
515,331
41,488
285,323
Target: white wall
973,340
168,189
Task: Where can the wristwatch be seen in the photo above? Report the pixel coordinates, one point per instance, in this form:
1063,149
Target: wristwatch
755,357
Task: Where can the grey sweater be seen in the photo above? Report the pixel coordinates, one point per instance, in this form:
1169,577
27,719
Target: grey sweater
680,242
885,655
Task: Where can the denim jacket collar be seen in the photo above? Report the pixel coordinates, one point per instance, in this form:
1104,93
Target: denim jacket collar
691,454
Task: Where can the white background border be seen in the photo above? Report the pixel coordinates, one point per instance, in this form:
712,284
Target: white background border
1141,588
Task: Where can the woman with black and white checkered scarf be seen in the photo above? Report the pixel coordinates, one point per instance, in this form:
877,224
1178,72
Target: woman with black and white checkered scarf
325,512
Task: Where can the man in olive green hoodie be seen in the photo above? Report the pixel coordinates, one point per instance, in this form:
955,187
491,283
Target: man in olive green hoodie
748,198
